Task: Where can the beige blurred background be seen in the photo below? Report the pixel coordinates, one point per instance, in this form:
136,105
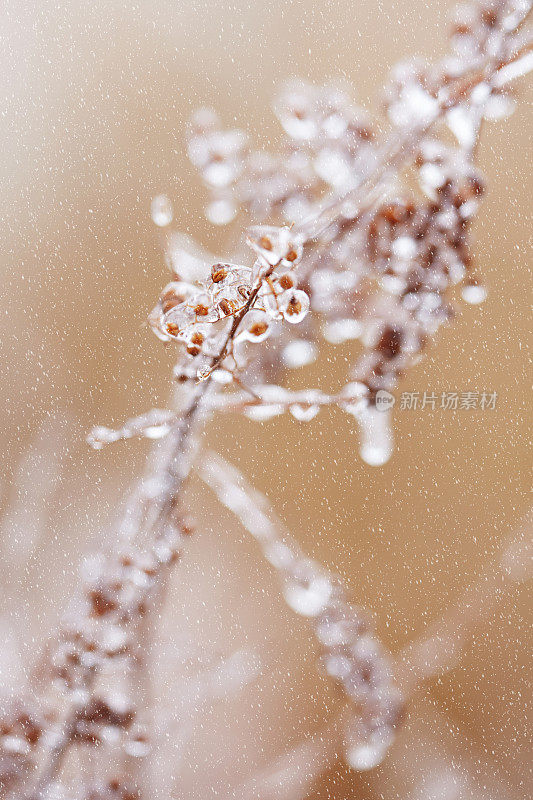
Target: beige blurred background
94,100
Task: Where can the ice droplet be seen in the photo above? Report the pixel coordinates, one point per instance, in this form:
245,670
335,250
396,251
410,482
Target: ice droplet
364,748
308,600
376,436
474,294
365,755
303,413
161,210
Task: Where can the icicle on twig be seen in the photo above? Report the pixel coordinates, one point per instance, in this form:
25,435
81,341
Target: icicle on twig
153,425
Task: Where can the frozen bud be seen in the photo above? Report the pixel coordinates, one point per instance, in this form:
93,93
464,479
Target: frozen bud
201,304
337,665
408,98
279,555
100,436
15,745
137,745
376,435
287,281
113,710
222,377
341,625
172,312
204,120
156,323
174,294
255,327
178,320
165,552
272,304
431,177
161,210
468,208
317,113
230,282
219,273
463,124
499,106
367,648
195,341
294,109
392,284
514,12
405,248
307,592
299,353
294,305
218,154
308,406
366,750
276,246
113,640
473,293
333,166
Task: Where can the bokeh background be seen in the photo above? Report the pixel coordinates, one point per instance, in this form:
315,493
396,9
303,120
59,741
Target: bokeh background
94,101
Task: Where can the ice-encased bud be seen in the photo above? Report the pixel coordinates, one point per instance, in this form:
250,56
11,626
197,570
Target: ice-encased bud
474,294
366,747
294,305
375,435
309,599
276,246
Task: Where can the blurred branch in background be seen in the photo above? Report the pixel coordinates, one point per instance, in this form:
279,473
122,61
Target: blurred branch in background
439,649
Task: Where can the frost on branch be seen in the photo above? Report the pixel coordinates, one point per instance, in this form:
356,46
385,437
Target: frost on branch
381,268
381,271
350,651
153,425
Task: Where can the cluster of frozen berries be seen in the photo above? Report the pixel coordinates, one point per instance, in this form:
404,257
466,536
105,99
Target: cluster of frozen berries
234,306
385,276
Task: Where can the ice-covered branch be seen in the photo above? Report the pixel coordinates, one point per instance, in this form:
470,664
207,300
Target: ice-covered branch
350,651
